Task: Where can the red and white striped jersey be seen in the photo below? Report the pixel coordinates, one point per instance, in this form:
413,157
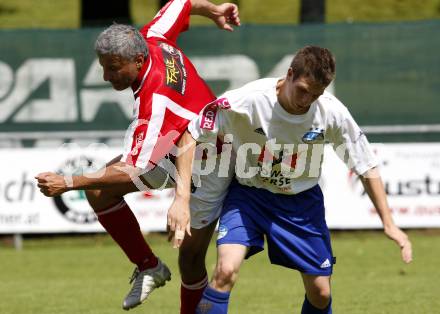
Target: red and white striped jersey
168,92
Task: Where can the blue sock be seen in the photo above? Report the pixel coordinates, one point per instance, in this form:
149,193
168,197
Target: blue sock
308,308
213,302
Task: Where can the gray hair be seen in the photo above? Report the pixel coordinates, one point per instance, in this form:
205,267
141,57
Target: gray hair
121,40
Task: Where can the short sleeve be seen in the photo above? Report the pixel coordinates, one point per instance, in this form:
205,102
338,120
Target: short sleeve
351,145
171,20
206,127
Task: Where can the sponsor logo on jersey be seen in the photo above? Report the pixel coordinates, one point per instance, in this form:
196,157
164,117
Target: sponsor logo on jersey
73,205
223,103
138,145
315,135
175,71
210,112
276,177
266,155
260,131
208,117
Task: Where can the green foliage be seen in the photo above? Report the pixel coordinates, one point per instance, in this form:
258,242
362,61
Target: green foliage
39,14
381,10
89,275
66,13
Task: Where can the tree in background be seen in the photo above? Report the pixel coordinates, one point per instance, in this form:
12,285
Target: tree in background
312,11
105,12
163,2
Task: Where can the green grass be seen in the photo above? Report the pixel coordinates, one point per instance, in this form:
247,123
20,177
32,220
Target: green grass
88,275
66,13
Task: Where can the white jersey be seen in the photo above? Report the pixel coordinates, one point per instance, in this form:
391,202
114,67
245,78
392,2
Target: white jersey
212,185
276,150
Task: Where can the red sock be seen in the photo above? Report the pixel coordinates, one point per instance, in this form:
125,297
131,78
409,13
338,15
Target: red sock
190,295
122,225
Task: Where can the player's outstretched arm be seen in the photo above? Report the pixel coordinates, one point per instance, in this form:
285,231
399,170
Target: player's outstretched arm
116,174
178,217
224,15
374,187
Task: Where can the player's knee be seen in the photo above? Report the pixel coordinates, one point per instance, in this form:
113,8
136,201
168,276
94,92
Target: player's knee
324,297
225,275
93,197
320,297
101,200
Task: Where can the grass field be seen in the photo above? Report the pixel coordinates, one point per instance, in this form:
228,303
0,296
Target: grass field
66,13
89,275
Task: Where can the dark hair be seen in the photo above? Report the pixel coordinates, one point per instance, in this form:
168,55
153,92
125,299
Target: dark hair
314,62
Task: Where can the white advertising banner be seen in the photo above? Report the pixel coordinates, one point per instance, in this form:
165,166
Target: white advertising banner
411,174
23,209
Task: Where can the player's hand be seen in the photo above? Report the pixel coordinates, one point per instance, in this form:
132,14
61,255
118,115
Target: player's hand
178,221
226,15
51,184
402,240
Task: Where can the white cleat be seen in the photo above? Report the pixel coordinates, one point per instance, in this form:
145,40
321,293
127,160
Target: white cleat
144,283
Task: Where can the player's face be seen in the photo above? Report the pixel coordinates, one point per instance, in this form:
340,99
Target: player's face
301,93
120,72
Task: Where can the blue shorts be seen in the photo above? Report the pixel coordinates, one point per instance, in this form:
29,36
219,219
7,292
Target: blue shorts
294,226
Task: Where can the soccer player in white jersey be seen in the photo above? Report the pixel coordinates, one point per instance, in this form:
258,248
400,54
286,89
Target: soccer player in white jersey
278,128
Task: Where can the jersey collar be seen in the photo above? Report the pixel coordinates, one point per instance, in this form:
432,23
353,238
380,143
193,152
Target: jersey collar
143,73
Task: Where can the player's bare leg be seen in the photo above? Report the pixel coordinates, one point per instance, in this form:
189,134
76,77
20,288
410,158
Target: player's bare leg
216,296
192,267
100,200
318,293
229,260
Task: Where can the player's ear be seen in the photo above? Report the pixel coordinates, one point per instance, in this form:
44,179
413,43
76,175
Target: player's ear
290,74
140,59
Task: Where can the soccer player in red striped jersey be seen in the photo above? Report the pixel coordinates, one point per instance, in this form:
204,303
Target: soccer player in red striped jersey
168,93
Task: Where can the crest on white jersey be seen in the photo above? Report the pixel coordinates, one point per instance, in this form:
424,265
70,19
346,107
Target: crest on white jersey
315,135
